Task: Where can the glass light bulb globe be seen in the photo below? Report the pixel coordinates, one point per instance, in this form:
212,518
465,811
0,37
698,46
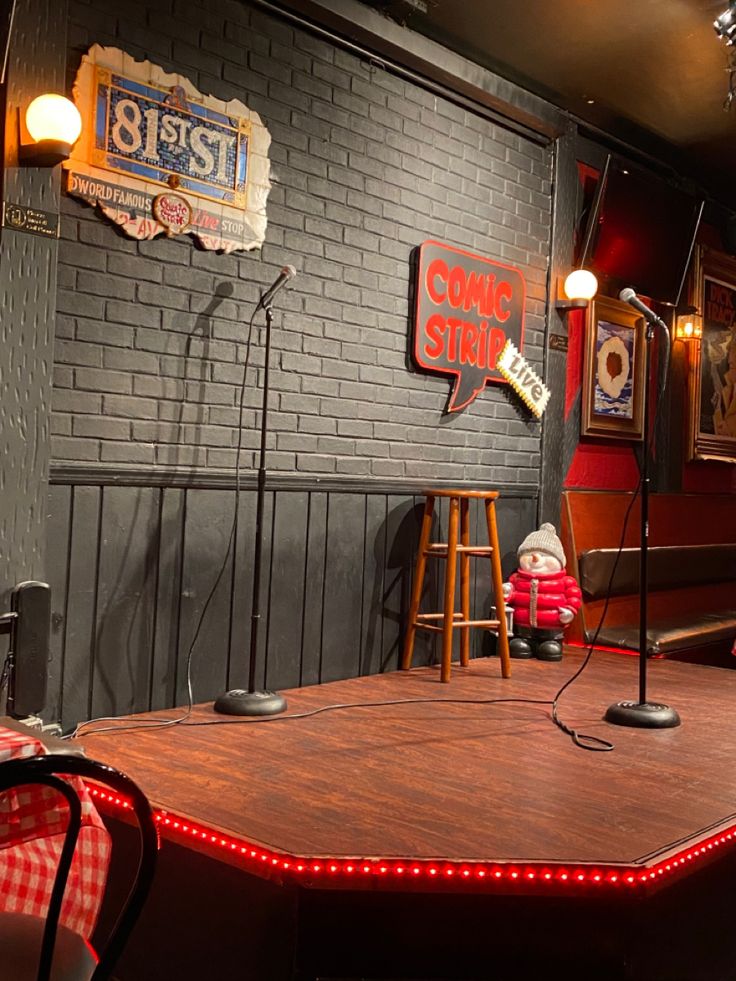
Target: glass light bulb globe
688,327
581,284
53,117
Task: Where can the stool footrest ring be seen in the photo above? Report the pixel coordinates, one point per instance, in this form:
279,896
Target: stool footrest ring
437,616
457,623
440,549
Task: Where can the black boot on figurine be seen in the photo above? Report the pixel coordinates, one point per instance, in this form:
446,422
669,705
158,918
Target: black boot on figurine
549,650
518,647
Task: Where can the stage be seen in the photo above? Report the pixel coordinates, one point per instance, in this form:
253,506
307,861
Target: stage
452,808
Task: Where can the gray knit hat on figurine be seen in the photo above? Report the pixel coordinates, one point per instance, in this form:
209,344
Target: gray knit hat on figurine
543,540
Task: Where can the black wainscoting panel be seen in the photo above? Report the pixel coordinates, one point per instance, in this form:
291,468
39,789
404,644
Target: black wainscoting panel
134,568
286,600
59,518
267,553
402,534
170,540
126,598
242,594
516,518
481,592
427,647
374,565
206,592
342,604
81,605
314,589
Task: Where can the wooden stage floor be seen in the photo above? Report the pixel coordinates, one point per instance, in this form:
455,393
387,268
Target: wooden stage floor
444,789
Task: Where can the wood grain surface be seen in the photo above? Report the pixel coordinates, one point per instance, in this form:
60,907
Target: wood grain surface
456,781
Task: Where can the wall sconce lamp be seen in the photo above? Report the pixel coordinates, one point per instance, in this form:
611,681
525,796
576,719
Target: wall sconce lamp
688,325
577,291
51,126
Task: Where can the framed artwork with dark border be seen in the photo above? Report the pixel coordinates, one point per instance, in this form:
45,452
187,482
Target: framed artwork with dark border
613,371
712,363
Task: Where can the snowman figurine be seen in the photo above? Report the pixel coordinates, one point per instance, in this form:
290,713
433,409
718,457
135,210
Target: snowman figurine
544,598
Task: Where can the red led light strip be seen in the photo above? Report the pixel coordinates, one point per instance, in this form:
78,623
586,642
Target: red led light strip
256,858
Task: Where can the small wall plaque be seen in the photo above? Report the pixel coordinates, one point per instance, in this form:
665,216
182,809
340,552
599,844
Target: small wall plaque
31,220
558,342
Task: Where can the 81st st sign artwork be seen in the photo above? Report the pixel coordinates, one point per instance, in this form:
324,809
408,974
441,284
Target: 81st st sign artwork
159,157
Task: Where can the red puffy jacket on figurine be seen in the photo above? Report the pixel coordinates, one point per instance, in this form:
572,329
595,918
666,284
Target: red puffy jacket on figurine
544,598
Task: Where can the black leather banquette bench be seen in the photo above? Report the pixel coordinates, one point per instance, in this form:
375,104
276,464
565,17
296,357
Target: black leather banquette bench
692,573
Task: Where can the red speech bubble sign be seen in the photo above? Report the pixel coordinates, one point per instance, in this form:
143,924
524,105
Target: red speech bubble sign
467,307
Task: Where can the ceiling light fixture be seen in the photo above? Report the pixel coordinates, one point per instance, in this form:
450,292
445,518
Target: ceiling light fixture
725,24
725,28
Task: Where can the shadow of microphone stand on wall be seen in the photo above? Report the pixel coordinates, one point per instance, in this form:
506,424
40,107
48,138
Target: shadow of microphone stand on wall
118,648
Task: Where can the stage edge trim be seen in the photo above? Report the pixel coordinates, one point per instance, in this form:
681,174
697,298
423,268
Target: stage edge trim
424,874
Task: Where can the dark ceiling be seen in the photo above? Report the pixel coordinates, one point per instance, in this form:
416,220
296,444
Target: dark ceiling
651,72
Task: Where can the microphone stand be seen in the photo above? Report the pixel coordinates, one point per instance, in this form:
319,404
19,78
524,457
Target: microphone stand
254,701
644,714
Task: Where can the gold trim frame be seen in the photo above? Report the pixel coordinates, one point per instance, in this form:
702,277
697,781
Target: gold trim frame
623,352
712,381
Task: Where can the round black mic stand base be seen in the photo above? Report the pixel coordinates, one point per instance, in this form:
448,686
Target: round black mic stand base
642,715
238,701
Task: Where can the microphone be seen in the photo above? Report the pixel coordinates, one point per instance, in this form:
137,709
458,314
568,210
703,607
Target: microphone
287,273
630,297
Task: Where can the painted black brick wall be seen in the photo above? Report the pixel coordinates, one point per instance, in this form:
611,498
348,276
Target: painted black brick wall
365,166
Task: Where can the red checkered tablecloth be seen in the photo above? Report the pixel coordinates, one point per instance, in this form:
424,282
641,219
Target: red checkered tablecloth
32,823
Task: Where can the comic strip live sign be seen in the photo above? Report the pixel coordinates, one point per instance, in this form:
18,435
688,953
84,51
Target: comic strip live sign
467,308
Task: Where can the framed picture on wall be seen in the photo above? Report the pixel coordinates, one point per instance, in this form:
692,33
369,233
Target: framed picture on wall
613,371
712,363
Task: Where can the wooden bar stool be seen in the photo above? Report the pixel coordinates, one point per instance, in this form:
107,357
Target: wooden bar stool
449,620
